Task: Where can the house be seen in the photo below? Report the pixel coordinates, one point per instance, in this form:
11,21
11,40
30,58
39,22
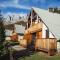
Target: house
17,34
42,30
54,10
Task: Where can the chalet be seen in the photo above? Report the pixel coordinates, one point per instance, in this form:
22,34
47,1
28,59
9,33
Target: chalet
42,30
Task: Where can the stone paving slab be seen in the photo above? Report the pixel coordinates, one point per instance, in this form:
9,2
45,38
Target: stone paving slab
17,48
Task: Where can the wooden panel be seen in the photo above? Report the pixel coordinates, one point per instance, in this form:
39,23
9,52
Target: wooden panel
23,43
46,44
14,37
39,34
25,36
28,37
52,43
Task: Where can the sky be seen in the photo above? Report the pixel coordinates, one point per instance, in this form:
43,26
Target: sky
24,6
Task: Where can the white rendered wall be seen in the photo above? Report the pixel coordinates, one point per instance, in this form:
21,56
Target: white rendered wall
44,32
8,32
19,28
50,35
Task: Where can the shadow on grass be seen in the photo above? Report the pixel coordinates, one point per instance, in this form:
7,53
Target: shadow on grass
22,53
5,57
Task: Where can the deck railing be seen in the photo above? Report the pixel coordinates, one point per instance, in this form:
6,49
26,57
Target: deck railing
43,43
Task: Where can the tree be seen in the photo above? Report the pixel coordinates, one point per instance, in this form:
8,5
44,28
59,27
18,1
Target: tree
2,29
2,35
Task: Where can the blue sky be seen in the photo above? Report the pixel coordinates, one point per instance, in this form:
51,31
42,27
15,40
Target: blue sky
24,6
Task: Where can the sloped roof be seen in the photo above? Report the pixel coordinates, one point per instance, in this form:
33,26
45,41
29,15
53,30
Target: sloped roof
52,20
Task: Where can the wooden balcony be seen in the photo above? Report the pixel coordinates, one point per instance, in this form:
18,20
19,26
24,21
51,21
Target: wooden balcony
34,28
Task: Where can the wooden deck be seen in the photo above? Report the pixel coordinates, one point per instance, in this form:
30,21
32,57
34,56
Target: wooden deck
47,45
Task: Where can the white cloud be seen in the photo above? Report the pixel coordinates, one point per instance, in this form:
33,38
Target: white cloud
10,1
16,14
13,3
16,1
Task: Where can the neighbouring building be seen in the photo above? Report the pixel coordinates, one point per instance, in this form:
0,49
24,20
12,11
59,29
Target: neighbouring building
19,30
54,10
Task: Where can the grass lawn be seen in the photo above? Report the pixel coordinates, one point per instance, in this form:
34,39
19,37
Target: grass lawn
40,56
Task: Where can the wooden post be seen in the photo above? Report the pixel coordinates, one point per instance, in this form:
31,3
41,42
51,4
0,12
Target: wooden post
31,19
27,25
48,46
37,19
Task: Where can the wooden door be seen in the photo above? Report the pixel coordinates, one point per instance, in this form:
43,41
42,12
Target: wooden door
32,43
